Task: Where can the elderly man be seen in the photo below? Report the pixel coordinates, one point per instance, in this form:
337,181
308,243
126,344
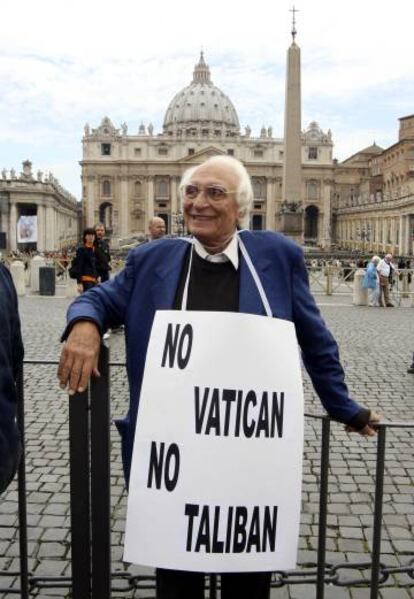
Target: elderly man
156,228
11,358
385,271
212,273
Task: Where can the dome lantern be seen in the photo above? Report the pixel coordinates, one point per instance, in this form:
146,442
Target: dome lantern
201,108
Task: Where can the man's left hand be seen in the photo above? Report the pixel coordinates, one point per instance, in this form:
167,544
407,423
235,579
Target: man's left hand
369,429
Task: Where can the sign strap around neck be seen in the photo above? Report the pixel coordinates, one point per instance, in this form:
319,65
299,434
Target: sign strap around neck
256,278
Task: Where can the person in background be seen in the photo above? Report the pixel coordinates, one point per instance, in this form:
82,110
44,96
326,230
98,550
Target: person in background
371,282
11,360
87,274
385,271
156,228
411,368
102,253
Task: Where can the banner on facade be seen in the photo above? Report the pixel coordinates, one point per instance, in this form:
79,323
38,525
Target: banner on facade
27,229
217,463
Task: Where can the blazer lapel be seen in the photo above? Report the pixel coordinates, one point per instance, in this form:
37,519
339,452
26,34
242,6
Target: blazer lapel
167,276
250,300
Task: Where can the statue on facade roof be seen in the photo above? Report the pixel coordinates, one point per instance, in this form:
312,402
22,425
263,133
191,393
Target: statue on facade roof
4,173
247,131
269,132
39,175
150,129
12,173
124,128
87,129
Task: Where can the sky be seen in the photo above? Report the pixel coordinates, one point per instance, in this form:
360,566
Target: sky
63,64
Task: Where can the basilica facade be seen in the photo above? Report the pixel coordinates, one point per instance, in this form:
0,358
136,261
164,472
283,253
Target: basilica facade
364,203
129,177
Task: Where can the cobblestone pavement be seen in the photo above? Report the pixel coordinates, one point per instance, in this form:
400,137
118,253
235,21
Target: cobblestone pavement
376,346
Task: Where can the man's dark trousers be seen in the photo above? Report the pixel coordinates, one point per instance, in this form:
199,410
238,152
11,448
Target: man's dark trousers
174,584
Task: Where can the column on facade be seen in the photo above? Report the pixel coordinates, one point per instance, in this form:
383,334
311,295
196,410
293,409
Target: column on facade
41,228
270,204
326,223
90,203
384,233
149,212
393,232
403,238
174,199
13,227
50,229
377,233
124,208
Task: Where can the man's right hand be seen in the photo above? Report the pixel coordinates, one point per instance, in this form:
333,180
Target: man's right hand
79,357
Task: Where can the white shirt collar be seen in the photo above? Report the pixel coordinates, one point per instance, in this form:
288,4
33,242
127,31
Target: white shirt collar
231,252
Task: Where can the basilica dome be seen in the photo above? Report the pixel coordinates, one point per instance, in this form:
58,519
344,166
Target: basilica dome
201,108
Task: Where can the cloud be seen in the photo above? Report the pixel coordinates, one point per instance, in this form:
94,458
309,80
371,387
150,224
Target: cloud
62,65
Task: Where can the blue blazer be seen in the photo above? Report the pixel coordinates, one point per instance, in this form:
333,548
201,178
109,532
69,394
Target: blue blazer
149,283
11,359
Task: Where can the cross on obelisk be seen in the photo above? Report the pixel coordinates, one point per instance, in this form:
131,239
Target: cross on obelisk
294,11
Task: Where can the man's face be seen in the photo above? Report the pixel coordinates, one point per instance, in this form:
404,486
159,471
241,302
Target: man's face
100,232
211,220
157,228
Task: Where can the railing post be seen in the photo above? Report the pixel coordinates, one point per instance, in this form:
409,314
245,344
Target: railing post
213,586
80,494
323,508
379,495
100,480
24,570
329,279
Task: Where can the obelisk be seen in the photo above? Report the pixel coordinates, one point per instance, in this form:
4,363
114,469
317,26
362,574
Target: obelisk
291,211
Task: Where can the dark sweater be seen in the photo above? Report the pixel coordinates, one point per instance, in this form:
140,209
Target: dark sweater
214,286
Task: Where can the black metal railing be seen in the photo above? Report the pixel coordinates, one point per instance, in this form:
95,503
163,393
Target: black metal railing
89,441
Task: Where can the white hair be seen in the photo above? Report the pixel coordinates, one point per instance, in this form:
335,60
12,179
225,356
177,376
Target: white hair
244,193
375,259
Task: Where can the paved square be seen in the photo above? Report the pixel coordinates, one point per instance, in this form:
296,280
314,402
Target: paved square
376,346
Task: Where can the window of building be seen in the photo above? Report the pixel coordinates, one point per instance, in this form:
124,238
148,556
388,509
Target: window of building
258,153
257,206
281,154
137,151
312,190
161,188
162,151
191,151
258,188
106,188
230,152
138,189
257,222
106,149
162,205
312,153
